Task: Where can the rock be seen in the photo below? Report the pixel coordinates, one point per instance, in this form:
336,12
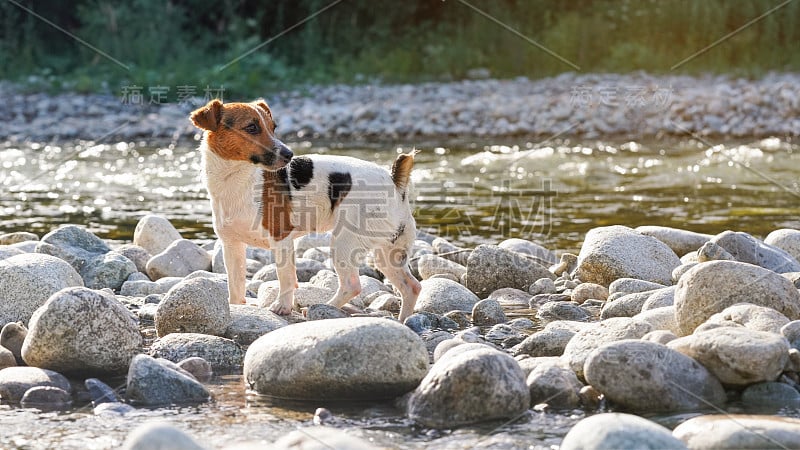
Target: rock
154,234
586,291
153,383
660,298
46,398
143,288
751,317
680,241
79,330
791,331
627,305
319,438
566,265
737,356
610,253
738,431
659,318
108,271
306,269
660,336
7,358
12,336
678,272
445,249
17,237
305,295
709,288
490,268
137,254
632,285
440,296
747,249
159,436
15,381
7,252
198,367
771,394
540,254
386,302
311,240
645,376
223,354
619,431
785,239
27,281
429,265
504,335
488,312
249,323
470,383
544,343
354,358
324,311
551,311
713,252
555,385
197,305
100,392
542,286
588,339
179,259
432,339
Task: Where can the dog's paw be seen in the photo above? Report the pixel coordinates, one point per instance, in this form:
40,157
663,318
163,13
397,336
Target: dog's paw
280,309
237,301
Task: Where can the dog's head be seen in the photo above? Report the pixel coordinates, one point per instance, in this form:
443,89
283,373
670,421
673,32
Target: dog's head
242,132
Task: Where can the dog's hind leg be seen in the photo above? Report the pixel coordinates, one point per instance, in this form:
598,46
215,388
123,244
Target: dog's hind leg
393,262
287,276
234,255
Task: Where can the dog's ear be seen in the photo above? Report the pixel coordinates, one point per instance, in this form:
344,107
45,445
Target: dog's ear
263,105
209,116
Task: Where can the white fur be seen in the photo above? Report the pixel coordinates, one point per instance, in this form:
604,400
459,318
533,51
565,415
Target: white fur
367,219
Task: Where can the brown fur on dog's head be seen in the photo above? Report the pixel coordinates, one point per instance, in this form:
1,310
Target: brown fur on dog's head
242,132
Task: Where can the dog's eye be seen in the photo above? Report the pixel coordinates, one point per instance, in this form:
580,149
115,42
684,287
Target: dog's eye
274,126
252,129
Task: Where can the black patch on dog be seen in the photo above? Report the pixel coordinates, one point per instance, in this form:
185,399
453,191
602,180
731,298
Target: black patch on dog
398,233
283,179
403,196
339,184
301,170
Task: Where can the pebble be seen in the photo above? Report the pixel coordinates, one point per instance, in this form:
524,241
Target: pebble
737,356
201,369
504,335
443,248
179,259
750,316
738,431
27,281
470,383
660,336
490,267
15,381
587,291
12,337
159,436
135,253
384,359
771,394
143,288
632,285
152,382
223,354
544,343
430,265
196,305
627,305
680,241
46,398
100,392
488,312
791,331
316,438
648,377
324,311
564,310
713,252
555,385
588,339
678,272
785,239
660,318
619,431
542,286
610,253
539,253
305,268
440,296
305,295
79,330
710,287
17,237
155,233
747,249
659,298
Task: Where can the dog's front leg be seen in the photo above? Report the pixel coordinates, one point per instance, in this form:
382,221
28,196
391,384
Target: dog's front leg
287,277
234,255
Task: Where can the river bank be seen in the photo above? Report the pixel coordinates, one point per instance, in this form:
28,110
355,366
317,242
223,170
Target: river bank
634,106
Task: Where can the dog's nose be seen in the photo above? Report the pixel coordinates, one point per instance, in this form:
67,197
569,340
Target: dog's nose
285,152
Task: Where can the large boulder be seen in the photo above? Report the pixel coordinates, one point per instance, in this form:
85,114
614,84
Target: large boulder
618,431
645,376
27,281
613,252
490,267
747,249
195,305
153,382
345,359
739,431
709,288
737,356
154,233
79,330
440,296
470,383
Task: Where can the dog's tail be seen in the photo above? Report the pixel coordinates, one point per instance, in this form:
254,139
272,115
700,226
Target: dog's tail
401,169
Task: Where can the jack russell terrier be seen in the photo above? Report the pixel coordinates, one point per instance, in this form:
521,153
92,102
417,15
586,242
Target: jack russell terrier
263,196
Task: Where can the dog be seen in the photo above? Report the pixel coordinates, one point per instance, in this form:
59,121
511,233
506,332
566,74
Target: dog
263,195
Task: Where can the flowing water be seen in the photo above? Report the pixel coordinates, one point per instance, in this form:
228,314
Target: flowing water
469,192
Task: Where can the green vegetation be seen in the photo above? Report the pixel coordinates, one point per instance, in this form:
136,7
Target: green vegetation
191,42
